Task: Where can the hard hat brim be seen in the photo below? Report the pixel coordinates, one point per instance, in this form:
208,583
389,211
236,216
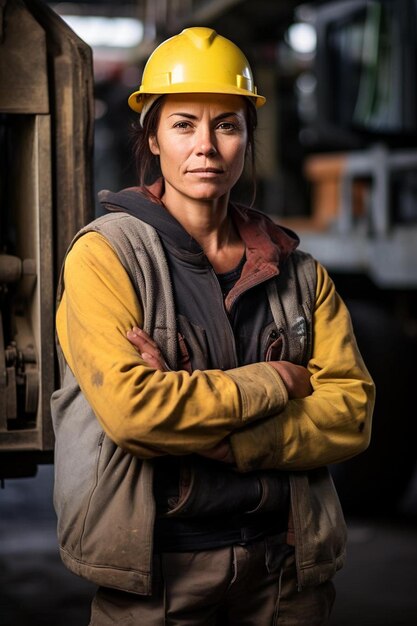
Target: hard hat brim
136,99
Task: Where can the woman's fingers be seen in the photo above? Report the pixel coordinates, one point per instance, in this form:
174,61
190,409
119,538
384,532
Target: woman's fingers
147,348
141,339
152,361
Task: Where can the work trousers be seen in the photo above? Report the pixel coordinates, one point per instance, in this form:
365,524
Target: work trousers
241,585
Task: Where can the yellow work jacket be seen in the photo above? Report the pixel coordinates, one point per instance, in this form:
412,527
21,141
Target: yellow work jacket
134,413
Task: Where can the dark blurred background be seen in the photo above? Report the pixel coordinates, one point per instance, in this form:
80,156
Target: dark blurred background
337,161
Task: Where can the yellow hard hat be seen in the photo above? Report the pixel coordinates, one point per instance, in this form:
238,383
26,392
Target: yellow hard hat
198,60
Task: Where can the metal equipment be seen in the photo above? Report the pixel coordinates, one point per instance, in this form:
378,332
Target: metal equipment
45,197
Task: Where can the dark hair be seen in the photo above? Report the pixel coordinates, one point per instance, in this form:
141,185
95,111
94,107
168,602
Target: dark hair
147,164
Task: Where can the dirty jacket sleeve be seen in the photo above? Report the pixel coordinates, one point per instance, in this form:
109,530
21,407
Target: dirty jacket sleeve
334,422
144,411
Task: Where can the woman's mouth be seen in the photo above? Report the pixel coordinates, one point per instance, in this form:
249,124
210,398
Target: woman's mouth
206,172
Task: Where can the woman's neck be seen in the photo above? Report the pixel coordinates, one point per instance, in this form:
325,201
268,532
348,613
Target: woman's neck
210,224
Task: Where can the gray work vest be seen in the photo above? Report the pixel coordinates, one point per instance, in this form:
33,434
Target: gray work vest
105,534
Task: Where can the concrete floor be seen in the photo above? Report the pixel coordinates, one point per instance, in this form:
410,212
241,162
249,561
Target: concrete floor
377,587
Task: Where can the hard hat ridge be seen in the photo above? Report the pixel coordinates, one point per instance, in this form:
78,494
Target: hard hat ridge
200,36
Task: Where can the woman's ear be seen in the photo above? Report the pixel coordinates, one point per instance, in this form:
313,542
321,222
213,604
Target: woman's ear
153,144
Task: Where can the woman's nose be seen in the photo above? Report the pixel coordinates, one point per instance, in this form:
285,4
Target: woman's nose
205,142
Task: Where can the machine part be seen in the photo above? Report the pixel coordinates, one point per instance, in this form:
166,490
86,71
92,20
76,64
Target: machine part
11,395
31,388
2,5
3,380
46,140
27,368
20,379
12,268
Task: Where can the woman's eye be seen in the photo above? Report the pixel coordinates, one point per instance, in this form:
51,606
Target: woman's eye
228,126
182,125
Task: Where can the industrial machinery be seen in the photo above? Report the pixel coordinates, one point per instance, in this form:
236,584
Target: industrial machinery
45,196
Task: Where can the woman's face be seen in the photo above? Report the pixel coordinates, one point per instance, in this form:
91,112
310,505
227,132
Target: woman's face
201,141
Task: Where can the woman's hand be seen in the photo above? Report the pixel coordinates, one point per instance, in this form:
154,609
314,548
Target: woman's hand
152,356
147,349
296,378
222,452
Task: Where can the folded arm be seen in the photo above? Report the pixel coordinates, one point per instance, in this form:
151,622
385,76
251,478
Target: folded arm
295,378
143,410
334,422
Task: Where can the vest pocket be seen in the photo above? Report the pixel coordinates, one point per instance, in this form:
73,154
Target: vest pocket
272,343
95,481
193,345
289,342
209,488
184,361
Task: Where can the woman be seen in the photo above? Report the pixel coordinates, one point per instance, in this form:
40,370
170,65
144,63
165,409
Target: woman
209,374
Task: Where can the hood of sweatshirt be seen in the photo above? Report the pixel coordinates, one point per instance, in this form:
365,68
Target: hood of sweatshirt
267,244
